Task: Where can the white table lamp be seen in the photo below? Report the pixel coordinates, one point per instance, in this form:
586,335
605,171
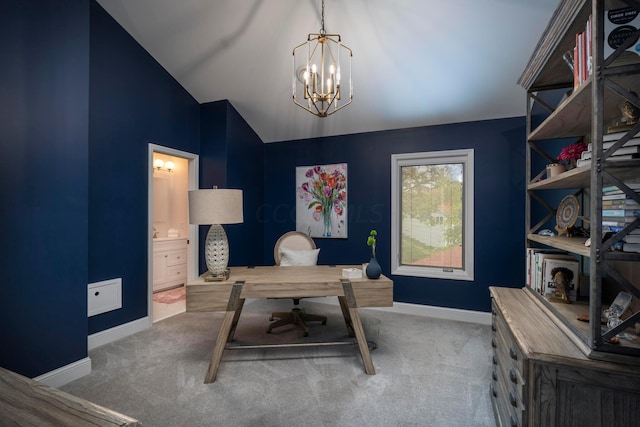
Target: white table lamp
216,207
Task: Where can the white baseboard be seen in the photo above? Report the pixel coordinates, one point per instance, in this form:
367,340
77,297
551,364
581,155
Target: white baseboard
66,374
73,371
459,315
121,331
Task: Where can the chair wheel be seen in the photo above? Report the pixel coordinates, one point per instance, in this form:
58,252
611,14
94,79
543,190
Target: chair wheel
270,319
324,322
268,331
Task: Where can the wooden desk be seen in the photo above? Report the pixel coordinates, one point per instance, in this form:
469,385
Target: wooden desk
287,282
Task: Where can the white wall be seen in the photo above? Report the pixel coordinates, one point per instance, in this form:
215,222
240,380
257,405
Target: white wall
170,197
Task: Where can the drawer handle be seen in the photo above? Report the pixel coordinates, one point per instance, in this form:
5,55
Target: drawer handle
493,327
513,354
513,400
493,343
514,421
97,293
495,362
512,376
493,391
494,375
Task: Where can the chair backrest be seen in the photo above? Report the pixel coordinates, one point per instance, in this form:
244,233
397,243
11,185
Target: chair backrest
292,240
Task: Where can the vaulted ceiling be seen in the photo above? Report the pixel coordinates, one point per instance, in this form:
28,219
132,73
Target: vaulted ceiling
415,62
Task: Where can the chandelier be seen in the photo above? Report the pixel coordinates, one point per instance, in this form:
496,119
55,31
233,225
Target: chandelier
317,73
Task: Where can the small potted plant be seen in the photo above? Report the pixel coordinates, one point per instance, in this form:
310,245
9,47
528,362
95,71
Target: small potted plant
571,153
373,270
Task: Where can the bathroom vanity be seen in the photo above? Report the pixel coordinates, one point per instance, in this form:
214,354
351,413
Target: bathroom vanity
169,263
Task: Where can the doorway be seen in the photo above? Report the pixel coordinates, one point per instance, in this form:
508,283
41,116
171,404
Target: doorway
173,242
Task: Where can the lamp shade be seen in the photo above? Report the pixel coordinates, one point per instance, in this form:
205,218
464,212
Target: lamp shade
215,206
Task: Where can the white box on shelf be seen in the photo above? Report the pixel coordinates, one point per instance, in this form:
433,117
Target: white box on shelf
351,273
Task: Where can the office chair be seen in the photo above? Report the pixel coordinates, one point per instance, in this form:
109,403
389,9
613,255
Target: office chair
295,248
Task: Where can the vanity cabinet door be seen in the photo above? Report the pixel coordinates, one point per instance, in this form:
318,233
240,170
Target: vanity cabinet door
159,268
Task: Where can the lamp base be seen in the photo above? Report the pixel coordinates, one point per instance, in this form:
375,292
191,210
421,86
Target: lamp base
210,276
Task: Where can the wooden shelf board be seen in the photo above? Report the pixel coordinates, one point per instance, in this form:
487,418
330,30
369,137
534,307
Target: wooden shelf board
570,244
574,178
581,177
545,67
565,315
572,118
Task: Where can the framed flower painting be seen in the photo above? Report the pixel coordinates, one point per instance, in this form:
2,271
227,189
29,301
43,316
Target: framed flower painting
321,200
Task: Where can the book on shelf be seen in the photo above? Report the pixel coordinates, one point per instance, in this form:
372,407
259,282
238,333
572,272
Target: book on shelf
626,247
615,229
621,158
612,223
620,213
619,25
612,189
560,275
616,196
633,149
620,204
632,238
608,144
535,260
613,137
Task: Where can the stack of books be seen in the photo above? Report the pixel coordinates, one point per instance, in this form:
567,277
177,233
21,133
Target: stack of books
618,211
543,266
629,151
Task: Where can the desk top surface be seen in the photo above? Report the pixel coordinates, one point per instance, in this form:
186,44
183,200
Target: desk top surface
286,282
321,274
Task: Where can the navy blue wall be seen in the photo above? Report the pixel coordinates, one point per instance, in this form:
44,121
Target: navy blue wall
499,202
134,101
80,102
44,82
232,156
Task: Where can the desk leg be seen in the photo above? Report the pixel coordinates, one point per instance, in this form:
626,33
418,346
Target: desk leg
352,310
346,315
233,312
235,319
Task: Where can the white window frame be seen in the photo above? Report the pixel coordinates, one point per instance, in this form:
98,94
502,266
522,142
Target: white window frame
433,158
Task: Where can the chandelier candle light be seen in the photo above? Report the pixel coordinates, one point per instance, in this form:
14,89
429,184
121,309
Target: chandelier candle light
317,75
216,207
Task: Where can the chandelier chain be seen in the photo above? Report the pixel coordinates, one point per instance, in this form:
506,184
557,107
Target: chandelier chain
322,31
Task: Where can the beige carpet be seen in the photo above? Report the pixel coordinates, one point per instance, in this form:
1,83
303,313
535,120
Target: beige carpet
430,372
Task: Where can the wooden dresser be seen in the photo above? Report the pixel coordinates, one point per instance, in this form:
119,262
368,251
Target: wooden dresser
541,378
25,402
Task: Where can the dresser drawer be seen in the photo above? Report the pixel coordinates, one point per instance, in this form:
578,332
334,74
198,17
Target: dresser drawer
169,245
509,350
508,374
508,414
176,257
177,272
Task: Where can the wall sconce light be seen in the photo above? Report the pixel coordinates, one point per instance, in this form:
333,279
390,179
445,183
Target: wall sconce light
161,165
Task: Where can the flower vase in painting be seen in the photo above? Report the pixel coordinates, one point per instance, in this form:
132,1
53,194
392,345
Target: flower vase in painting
322,200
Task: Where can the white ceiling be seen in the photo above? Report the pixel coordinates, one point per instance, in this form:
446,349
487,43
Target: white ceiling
415,62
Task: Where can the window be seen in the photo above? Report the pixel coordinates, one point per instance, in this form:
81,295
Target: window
432,214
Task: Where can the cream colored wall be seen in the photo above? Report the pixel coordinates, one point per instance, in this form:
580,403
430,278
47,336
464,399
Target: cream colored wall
170,197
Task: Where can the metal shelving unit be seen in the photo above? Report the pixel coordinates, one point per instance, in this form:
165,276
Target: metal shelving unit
585,112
